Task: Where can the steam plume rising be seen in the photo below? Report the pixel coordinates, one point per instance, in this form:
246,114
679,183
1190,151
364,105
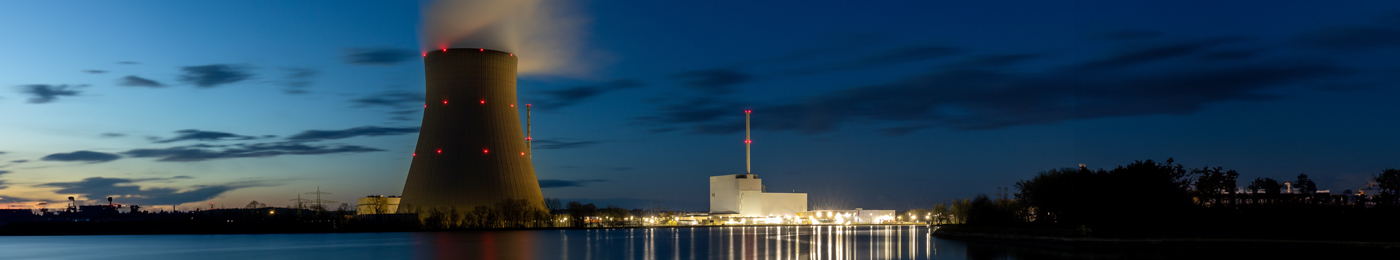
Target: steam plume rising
544,33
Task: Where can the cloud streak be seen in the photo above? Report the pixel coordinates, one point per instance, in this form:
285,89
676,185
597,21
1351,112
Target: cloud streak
547,184
204,152
134,81
560,144
319,135
561,98
98,188
208,76
82,156
197,135
378,56
43,93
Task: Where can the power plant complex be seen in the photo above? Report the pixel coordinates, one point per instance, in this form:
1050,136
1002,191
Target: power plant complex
471,150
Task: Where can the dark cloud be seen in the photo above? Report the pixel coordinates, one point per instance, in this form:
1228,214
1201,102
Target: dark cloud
4,172
196,134
902,130
713,81
112,135
1350,38
202,152
560,98
43,93
128,63
319,135
1155,53
1157,80
378,56
95,71
297,79
98,188
1128,35
883,58
1231,55
992,61
82,156
20,161
391,99
213,75
545,184
134,81
547,144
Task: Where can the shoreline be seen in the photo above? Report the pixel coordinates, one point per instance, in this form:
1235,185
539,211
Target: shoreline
86,229
1131,244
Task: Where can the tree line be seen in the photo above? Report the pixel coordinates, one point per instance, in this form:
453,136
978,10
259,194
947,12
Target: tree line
1148,198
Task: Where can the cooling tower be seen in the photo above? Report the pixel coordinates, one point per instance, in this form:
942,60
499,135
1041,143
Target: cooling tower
471,151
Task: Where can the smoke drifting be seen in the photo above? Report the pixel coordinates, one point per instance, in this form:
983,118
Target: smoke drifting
545,34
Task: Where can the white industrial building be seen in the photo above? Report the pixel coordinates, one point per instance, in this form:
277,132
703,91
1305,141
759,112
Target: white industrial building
743,196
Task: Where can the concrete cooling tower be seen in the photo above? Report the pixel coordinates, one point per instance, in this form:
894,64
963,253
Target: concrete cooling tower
471,150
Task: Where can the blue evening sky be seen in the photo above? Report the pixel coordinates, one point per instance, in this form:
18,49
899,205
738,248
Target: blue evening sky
891,104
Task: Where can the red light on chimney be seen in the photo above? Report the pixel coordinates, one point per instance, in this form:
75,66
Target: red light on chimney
444,102
512,54
482,49
425,54
444,49
748,111
484,151
527,105
415,154
483,101
439,150
528,138
512,105
522,153
748,141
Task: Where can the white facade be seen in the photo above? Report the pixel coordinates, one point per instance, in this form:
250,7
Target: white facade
742,195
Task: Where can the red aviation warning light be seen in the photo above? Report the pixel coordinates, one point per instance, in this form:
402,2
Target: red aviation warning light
485,151
415,154
522,153
439,151
748,141
444,102
483,101
482,50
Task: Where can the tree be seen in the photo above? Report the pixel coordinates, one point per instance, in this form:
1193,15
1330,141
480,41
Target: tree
1388,185
1305,185
1270,186
255,204
1214,182
1141,192
345,207
552,204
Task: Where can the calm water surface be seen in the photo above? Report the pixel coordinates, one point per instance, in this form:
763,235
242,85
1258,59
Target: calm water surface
763,243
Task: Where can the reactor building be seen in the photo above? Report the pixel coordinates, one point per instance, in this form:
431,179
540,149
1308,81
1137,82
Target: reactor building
744,196
471,150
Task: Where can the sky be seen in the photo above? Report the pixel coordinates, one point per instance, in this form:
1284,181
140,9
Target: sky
892,105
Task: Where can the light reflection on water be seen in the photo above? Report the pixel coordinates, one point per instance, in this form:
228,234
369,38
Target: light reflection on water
744,242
